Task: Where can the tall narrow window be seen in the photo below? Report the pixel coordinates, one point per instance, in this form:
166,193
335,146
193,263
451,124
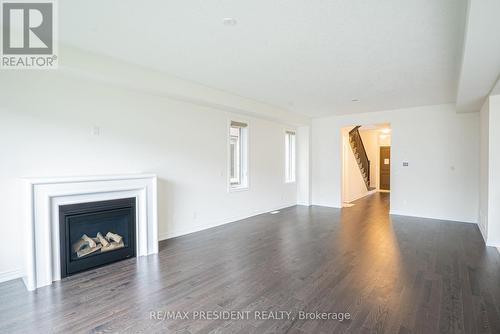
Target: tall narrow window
290,156
238,155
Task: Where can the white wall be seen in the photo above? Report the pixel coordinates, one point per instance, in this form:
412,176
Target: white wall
304,165
484,169
385,140
441,146
45,130
493,228
489,214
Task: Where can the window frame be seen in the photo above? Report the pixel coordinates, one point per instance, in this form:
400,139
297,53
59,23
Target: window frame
235,179
290,156
243,150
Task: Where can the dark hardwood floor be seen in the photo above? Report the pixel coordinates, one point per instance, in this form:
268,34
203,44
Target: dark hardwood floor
391,274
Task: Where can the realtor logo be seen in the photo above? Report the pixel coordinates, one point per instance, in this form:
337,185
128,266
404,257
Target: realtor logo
28,35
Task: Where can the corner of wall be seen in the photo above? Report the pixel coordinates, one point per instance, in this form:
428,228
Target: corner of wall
304,170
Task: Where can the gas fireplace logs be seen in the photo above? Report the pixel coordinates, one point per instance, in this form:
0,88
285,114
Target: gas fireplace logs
88,250
114,237
102,240
84,242
112,246
87,245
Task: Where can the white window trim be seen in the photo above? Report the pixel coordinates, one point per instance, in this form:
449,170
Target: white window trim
286,180
245,153
238,153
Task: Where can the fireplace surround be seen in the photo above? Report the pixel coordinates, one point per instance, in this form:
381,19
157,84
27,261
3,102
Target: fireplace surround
45,196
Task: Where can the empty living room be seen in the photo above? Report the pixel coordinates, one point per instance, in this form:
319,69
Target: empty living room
229,166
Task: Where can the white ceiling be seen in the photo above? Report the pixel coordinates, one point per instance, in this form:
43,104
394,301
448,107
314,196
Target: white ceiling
481,55
311,56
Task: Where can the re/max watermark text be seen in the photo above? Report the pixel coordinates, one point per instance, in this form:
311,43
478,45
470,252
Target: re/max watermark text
247,315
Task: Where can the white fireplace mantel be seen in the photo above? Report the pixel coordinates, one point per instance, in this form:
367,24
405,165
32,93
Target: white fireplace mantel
45,195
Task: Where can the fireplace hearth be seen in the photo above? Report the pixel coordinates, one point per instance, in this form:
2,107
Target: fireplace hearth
96,233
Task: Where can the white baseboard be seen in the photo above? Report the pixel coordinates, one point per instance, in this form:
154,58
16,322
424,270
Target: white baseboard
400,213
331,206
165,236
493,244
10,275
361,196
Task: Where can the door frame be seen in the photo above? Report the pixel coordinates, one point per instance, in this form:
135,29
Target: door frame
341,155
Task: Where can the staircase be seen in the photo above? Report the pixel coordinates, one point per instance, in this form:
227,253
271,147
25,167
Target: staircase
358,148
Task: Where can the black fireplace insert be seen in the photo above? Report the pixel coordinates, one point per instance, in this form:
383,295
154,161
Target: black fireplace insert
96,233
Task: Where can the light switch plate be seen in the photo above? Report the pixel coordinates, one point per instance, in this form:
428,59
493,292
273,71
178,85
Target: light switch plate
95,131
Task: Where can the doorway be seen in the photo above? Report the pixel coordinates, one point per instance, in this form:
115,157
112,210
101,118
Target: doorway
365,161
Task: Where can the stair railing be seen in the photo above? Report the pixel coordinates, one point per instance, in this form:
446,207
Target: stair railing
359,148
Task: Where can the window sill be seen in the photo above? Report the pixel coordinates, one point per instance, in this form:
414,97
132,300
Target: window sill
233,189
